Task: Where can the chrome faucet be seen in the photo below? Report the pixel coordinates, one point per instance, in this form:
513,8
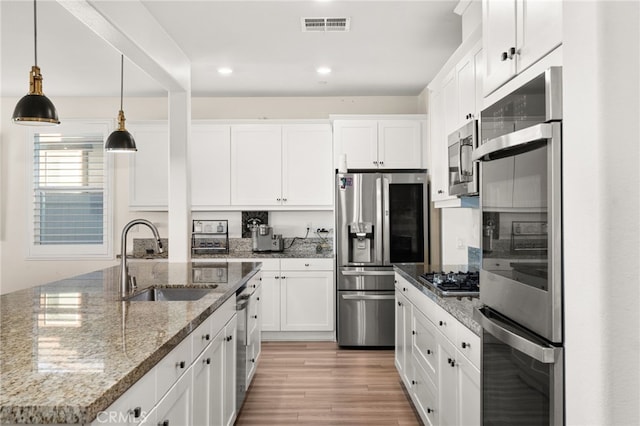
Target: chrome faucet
125,280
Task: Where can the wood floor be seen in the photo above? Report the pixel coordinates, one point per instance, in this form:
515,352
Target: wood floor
319,383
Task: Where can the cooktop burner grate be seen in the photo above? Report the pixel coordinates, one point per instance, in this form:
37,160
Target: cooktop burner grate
453,283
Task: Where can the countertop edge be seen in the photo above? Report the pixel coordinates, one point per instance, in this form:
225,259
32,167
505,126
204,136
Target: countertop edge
448,304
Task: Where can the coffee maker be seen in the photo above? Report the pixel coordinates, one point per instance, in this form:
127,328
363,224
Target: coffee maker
263,239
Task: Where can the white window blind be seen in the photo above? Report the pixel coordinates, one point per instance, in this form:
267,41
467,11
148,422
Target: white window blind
69,202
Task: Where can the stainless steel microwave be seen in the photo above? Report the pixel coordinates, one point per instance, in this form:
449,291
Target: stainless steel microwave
463,171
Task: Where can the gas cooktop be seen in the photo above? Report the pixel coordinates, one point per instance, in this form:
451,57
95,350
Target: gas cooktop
457,284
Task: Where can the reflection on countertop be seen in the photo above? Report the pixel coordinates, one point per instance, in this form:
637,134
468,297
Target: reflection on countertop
461,309
70,348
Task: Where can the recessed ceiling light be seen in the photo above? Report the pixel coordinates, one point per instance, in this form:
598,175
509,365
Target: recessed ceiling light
323,70
225,70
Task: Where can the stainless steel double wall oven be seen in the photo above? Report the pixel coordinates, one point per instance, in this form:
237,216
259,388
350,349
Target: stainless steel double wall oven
521,281
381,218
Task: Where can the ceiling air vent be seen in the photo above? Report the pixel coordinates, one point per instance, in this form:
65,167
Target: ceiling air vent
314,25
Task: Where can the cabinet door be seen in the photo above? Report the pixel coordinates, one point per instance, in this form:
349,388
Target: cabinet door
210,165
201,371
358,140
469,74
468,400
399,144
175,407
424,395
148,168
402,304
439,169
497,183
229,373
270,301
307,173
306,300
450,102
498,36
539,30
256,164
216,378
447,381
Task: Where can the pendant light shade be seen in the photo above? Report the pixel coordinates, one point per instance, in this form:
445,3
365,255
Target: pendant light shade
121,140
35,108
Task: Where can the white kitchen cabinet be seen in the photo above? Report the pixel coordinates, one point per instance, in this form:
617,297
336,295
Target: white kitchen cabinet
307,175
298,295
175,407
516,34
281,165
455,98
443,363
399,144
210,166
256,164
469,76
228,387
148,177
403,335
379,143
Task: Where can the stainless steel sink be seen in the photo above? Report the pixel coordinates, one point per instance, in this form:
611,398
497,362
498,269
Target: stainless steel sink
169,294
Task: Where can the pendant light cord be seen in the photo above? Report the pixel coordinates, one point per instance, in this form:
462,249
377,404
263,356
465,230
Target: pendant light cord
35,33
121,79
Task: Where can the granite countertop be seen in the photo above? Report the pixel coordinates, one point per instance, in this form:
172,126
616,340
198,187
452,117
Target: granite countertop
69,349
461,309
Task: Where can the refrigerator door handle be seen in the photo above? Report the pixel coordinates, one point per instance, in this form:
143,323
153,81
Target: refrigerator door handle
386,248
368,297
544,354
379,221
367,273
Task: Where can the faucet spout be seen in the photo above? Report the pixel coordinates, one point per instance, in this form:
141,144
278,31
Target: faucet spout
125,280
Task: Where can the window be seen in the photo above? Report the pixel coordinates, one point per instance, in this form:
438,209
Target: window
70,200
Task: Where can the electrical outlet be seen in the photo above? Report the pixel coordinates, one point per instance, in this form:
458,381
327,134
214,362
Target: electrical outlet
460,243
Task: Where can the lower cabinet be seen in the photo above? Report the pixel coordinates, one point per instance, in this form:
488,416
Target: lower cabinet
298,295
195,384
440,363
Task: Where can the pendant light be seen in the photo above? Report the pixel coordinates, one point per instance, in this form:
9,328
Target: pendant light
121,140
35,108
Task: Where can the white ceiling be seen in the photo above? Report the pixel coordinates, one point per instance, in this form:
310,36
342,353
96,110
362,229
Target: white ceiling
393,48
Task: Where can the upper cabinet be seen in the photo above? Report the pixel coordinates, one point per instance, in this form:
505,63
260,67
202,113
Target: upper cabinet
210,165
379,143
285,165
148,177
516,34
454,100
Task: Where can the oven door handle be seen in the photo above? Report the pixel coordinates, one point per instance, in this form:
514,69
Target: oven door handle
538,132
368,296
544,354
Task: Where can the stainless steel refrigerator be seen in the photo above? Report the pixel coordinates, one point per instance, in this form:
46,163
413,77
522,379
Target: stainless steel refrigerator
381,219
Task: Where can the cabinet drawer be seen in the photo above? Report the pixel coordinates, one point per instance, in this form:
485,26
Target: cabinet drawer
172,366
202,336
268,264
444,322
142,396
402,285
424,344
423,393
222,315
306,264
468,343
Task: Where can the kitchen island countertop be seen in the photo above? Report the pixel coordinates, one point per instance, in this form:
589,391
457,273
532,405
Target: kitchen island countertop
461,309
69,349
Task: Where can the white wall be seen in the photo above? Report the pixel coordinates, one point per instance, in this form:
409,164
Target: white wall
460,230
601,154
17,273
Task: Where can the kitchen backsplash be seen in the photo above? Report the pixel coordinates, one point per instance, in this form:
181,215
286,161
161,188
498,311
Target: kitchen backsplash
145,247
